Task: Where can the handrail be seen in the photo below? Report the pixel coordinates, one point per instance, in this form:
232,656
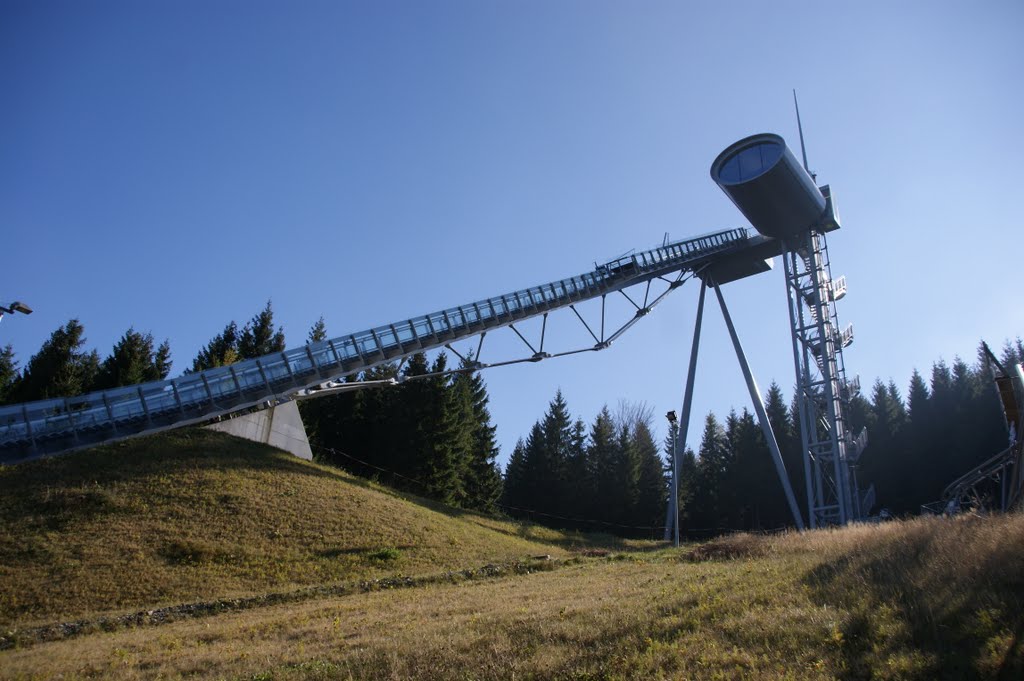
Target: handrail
980,472
51,426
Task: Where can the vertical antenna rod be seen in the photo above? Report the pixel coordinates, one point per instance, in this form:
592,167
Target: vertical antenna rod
800,127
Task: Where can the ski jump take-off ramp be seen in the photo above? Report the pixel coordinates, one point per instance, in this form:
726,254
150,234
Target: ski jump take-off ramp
759,174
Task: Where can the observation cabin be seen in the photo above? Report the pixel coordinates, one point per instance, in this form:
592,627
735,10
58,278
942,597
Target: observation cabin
774,192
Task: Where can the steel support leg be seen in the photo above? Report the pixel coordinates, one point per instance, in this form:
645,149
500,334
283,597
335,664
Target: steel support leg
762,416
684,422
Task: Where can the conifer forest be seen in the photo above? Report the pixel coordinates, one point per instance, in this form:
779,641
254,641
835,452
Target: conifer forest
431,434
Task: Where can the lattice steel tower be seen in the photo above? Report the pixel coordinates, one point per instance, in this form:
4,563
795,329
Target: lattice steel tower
779,197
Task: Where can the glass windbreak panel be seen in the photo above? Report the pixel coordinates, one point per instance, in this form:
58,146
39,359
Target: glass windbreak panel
11,417
274,368
455,317
80,410
159,397
469,314
295,355
190,390
405,334
323,356
300,363
422,329
249,376
368,345
57,422
511,304
222,386
439,323
124,403
337,356
347,349
387,338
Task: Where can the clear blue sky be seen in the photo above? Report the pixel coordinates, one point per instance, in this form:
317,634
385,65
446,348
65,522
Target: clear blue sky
172,165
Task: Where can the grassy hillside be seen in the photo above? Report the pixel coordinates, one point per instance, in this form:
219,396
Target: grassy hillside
194,515
928,599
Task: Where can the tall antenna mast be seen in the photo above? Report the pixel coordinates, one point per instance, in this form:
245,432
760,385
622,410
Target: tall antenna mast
800,127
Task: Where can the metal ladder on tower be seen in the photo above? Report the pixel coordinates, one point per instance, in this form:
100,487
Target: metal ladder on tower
823,393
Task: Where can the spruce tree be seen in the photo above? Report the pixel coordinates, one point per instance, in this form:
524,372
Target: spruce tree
133,360
258,336
552,482
61,368
514,488
536,480
318,332
451,445
162,361
786,426
714,464
524,477
690,515
483,477
582,491
603,456
626,468
222,350
651,491
758,498
9,375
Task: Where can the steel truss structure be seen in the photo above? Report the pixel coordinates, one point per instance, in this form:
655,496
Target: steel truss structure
54,426
830,452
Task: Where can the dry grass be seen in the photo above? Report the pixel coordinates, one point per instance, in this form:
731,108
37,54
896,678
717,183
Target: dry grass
195,515
918,600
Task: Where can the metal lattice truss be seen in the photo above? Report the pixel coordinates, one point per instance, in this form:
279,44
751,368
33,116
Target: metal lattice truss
823,392
644,279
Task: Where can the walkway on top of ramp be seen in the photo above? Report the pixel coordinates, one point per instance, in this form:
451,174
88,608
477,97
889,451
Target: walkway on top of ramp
46,427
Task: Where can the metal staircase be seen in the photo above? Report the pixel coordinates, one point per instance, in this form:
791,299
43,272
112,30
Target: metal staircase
52,426
823,392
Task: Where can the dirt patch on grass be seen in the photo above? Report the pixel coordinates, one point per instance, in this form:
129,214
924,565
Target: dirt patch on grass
593,553
732,547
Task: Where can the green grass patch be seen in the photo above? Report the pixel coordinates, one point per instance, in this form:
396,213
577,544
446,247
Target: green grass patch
195,515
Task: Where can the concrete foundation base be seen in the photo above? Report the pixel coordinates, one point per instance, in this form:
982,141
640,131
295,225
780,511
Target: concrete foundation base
280,426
